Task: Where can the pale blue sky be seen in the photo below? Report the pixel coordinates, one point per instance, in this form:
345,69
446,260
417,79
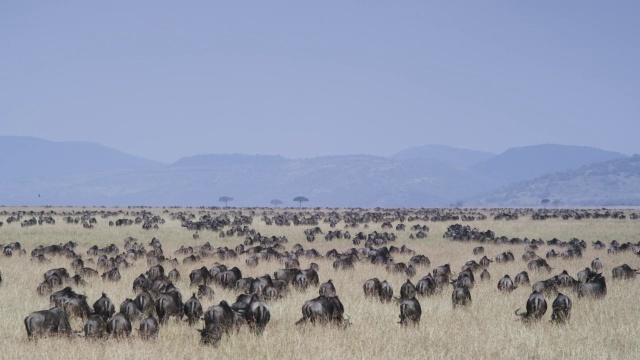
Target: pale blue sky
166,79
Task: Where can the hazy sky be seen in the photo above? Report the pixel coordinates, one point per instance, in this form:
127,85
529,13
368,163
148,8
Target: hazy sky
166,79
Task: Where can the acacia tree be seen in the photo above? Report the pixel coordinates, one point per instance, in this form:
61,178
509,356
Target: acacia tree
300,200
225,199
544,202
276,202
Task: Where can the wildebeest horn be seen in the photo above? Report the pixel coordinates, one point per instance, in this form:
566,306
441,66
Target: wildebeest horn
517,312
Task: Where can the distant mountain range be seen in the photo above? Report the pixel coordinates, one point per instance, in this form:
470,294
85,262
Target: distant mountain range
40,172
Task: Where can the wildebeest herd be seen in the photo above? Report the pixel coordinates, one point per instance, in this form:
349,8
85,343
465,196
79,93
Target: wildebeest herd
355,237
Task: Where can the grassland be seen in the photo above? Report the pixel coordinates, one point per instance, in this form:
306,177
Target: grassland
599,329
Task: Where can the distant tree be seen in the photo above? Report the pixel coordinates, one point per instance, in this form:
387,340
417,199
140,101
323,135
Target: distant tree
276,202
225,199
300,200
544,202
556,202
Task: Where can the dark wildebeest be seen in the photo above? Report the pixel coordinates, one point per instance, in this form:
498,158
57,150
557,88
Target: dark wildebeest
52,321
485,261
220,315
407,290
257,314
193,310
371,288
144,303
623,271
301,282
485,276
155,271
211,334
77,307
596,265
112,275
200,276
561,309
327,289
522,278
205,291
506,284
478,250
461,296
95,327
595,286
174,275
129,309
505,257
565,280
538,265
386,291
104,307
141,283
323,310
410,312
119,326
169,304
343,264
149,328
426,286
536,307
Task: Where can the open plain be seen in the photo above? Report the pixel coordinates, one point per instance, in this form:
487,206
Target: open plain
599,328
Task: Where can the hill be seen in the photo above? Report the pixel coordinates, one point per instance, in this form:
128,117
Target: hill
528,162
445,154
27,157
610,183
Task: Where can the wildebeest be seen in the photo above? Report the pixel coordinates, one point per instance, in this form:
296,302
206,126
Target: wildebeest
410,312
478,250
327,289
407,290
386,291
561,309
623,271
595,286
119,326
522,278
371,288
104,307
148,328
129,309
169,304
112,275
220,315
193,310
174,275
205,291
52,321
323,310
200,276
144,303
538,264
426,286
505,257
461,296
485,276
506,284
257,314
141,283
211,334
596,265
94,327
536,307
547,287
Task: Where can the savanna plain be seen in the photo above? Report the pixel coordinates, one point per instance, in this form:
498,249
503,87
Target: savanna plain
605,328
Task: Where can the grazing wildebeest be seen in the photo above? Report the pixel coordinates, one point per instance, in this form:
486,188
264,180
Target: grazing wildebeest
485,276
327,289
148,328
220,315
426,286
323,310
169,304
200,276
596,265
505,257
343,264
119,326
52,321
522,278
623,271
536,307
410,312
595,286
129,309
461,296
155,271
211,334
95,327
104,307
193,310
478,250
407,290
371,288
205,291
257,314
561,309
539,264
547,287
506,284
565,280
112,275
584,274
141,283
174,275
144,303
386,291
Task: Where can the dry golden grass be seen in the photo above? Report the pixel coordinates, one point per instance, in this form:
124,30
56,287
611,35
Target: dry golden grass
599,329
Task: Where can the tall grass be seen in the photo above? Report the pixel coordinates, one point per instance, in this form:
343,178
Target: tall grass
599,329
